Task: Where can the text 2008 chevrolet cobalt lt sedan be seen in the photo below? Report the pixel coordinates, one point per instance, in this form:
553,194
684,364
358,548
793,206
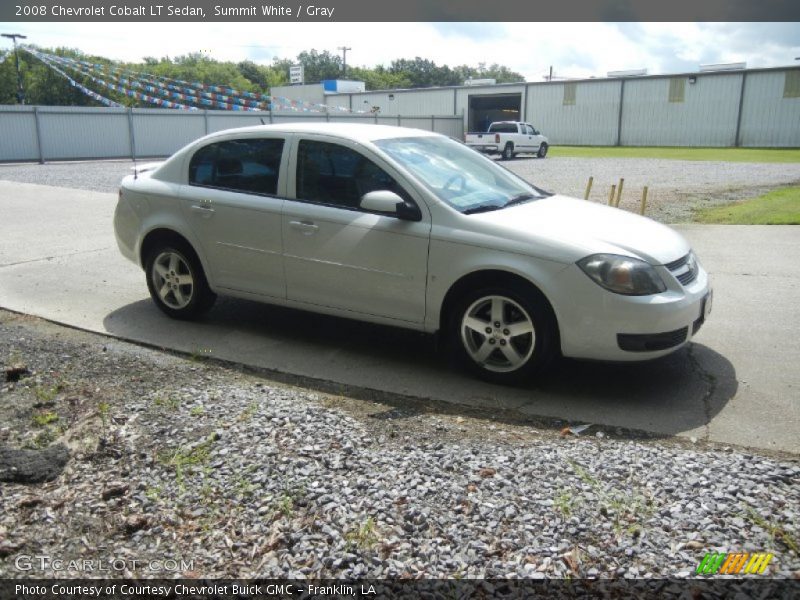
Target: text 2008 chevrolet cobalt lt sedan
409,228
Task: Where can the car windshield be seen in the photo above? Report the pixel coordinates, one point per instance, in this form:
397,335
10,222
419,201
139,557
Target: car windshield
459,176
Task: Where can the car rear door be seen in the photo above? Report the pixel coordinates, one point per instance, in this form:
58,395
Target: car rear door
233,201
339,256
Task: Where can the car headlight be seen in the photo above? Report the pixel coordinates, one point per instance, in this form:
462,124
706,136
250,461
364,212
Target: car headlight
622,274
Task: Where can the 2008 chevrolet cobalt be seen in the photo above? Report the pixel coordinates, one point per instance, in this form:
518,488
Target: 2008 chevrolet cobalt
413,229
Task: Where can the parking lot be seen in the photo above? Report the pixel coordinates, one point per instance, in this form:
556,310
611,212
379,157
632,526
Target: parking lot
734,384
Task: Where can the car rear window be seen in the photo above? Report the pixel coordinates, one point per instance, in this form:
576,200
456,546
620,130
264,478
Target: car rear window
503,128
247,165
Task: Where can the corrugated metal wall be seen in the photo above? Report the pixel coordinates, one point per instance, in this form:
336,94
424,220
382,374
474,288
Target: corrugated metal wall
63,132
703,113
590,121
158,133
769,118
84,133
398,102
706,116
18,139
758,107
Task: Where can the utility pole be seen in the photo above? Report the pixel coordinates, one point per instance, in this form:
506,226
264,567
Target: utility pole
20,91
344,50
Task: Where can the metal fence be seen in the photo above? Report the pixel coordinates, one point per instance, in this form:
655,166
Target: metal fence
43,133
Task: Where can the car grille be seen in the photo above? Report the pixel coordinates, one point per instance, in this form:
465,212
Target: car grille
684,269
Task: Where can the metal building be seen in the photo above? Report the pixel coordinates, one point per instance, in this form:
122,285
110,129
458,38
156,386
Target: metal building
743,107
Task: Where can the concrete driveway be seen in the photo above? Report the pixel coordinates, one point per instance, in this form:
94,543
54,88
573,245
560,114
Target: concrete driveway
737,383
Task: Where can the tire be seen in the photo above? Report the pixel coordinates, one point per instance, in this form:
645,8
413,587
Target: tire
508,151
542,150
498,354
177,282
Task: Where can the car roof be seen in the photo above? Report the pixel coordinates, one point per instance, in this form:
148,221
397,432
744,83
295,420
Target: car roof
360,132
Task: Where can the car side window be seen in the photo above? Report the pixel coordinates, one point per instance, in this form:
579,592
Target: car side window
332,174
530,130
247,165
503,128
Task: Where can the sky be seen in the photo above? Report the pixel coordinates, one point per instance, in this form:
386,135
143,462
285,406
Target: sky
572,49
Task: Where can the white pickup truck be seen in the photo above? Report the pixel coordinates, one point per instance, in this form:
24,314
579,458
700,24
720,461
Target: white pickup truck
508,138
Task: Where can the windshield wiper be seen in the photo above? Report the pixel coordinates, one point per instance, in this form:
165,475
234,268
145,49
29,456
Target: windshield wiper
519,199
482,208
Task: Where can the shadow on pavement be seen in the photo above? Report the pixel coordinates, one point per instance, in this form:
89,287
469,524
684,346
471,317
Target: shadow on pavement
405,370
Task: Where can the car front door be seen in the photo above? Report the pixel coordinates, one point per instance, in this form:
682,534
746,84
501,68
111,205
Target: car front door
234,205
340,256
535,138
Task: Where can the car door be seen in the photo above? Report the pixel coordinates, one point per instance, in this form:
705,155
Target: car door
233,203
340,256
525,138
535,137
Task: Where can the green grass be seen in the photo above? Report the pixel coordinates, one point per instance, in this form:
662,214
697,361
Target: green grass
44,418
767,155
778,207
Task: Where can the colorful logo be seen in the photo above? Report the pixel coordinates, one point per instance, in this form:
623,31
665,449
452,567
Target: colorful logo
734,563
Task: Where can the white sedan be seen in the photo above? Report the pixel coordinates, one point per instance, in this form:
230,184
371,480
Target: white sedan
413,229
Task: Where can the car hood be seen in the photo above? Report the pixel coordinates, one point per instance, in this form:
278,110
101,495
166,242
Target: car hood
576,228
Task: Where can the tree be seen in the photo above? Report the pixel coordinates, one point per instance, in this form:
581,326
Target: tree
318,66
45,86
8,78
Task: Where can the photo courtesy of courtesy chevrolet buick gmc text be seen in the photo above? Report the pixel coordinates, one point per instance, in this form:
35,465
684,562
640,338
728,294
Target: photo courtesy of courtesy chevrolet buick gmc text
413,229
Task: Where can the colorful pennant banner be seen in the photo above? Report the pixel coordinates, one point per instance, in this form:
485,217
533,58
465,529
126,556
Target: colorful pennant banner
197,93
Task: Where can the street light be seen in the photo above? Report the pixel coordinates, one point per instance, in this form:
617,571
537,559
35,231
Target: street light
20,91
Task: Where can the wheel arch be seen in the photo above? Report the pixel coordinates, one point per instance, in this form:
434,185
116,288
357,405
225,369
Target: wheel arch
489,278
165,235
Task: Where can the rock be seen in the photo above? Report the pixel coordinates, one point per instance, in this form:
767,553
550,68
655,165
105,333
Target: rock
15,373
114,490
32,466
134,523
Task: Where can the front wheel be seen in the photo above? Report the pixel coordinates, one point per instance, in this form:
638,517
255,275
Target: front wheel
504,335
176,281
542,150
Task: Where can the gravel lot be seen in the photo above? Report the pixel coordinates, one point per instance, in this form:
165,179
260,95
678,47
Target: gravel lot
675,187
181,458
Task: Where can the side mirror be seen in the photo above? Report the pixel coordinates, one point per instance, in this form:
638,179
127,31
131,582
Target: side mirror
389,203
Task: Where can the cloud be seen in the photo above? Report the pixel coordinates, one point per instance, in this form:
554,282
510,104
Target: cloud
472,31
572,49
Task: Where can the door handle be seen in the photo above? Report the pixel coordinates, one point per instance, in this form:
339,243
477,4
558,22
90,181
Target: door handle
307,227
203,209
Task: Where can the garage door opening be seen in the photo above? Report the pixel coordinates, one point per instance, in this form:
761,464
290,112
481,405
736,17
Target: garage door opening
484,110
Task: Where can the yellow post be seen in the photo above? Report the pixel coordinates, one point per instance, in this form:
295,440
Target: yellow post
619,192
588,188
611,195
644,200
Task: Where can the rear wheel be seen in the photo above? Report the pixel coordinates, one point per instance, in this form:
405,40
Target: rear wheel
508,151
542,150
503,334
176,281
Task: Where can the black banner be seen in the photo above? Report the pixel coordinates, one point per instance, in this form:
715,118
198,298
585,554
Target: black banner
164,589
407,10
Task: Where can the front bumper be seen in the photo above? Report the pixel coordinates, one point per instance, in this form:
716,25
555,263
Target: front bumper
597,324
